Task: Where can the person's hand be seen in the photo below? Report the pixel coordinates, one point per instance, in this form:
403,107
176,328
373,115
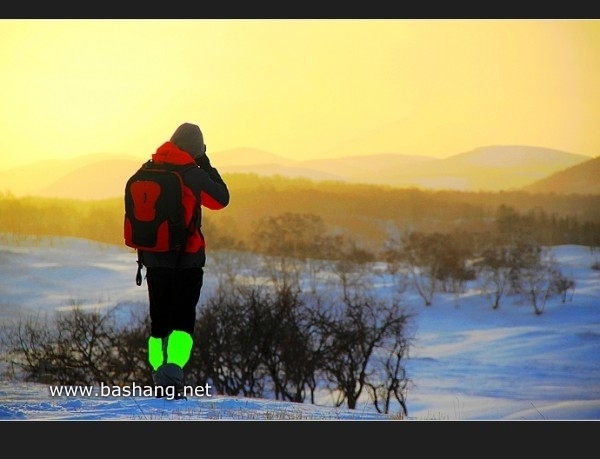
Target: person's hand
203,161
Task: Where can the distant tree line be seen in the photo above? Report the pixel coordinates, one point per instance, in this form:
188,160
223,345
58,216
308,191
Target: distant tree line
368,214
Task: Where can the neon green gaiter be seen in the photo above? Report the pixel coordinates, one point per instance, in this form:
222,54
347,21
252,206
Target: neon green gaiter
179,347
155,352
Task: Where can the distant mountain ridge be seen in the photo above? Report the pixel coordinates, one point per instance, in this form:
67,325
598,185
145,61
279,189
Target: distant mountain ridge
583,177
93,176
491,168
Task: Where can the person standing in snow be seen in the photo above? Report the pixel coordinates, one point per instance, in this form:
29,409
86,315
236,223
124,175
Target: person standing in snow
175,280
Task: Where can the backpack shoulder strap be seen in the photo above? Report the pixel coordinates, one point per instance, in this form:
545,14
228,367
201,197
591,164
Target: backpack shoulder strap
148,165
138,274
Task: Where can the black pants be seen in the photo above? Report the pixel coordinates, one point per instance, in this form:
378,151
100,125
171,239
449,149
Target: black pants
173,294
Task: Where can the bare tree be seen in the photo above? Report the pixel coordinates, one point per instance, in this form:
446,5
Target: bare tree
536,276
77,347
419,256
291,354
232,268
495,273
287,241
353,332
563,285
229,343
393,381
351,265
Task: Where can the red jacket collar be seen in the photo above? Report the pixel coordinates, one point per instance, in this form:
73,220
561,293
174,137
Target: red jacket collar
168,153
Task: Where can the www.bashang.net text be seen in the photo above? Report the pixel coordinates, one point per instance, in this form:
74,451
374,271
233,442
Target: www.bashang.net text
134,390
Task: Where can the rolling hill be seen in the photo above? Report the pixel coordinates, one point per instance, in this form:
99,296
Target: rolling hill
583,178
492,168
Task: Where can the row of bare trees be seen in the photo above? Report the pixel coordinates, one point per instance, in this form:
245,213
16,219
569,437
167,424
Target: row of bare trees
438,262
296,248
294,344
250,342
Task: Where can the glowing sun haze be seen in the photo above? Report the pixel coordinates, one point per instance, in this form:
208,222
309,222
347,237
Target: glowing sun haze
301,89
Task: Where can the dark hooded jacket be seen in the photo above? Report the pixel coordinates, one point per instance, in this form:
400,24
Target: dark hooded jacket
203,187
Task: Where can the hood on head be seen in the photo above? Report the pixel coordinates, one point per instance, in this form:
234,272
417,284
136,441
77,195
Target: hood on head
188,137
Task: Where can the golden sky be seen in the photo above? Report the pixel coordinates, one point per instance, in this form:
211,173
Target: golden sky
301,89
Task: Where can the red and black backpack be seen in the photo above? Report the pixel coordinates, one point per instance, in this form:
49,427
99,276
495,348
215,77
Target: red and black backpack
154,210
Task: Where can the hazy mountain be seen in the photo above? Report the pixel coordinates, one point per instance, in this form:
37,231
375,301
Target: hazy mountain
368,167
253,161
246,157
491,168
102,179
88,176
583,178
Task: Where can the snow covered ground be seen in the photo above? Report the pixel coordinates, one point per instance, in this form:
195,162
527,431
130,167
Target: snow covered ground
467,361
